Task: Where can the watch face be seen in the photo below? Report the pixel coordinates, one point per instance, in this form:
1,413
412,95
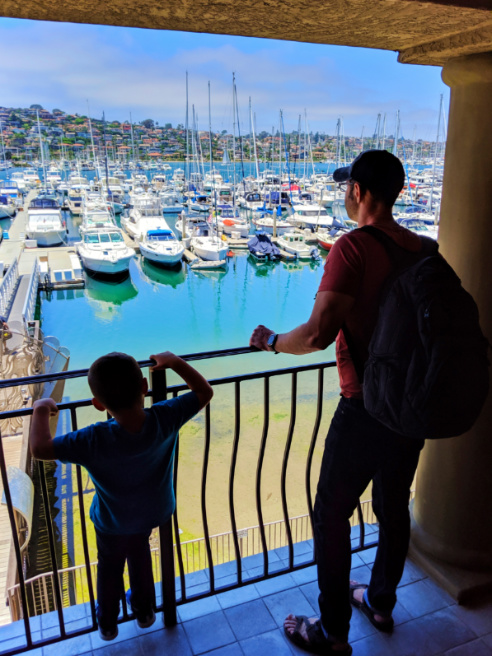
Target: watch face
271,340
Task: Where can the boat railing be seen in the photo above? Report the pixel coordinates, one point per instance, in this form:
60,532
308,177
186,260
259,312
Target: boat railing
31,297
249,404
8,286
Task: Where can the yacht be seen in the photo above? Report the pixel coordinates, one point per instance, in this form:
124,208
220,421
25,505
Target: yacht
44,221
268,222
293,242
161,247
311,216
75,200
31,178
8,208
207,244
18,178
145,215
103,249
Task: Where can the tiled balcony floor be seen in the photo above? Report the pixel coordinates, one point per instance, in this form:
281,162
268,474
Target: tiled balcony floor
248,622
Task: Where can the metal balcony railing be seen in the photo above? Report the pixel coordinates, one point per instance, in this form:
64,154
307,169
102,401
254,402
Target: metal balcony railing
211,551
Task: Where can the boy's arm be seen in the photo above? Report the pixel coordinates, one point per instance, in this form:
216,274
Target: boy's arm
195,381
40,435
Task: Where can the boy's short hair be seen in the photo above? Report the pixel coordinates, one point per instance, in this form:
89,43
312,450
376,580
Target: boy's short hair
116,381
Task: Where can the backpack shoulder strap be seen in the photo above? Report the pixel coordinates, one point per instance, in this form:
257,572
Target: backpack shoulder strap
401,258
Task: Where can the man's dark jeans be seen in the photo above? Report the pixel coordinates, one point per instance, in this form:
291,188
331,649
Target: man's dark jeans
112,552
359,449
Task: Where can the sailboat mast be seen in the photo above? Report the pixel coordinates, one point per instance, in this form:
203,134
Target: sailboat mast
92,138
234,130
41,148
186,130
397,130
131,134
435,154
210,130
254,140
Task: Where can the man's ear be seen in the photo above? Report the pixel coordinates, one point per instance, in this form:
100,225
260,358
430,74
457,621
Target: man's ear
145,386
98,405
357,192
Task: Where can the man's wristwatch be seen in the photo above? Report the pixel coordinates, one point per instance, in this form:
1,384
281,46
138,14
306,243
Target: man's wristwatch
271,341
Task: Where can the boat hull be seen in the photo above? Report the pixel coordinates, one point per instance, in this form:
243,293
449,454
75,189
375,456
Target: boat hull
48,238
114,267
163,259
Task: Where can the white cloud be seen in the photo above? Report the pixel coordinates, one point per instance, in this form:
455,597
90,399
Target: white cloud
62,65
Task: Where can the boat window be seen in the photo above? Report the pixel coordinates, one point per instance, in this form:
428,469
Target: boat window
161,237
91,239
104,238
116,237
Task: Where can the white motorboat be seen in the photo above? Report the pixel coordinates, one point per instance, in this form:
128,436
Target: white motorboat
199,203
161,247
102,249
18,178
171,200
293,242
207,244
311,216
145,215
44,221
251,200
31,178
268,223
230,221
415,224
75,200
8,208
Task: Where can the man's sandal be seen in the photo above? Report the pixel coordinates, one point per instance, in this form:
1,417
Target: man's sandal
317,643
386,625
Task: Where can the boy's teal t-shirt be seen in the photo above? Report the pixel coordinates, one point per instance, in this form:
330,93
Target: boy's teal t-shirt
132,472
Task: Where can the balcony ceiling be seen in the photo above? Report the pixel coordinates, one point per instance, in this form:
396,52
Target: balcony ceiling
423,32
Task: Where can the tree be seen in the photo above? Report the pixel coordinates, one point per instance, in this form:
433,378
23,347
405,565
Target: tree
35,107
148,123
168,126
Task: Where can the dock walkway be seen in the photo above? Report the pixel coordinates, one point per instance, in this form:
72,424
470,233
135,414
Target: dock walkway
21,357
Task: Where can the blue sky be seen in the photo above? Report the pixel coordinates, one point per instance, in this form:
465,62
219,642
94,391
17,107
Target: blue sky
122,70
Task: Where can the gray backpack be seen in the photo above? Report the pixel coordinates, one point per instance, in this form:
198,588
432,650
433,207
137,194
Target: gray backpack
427,374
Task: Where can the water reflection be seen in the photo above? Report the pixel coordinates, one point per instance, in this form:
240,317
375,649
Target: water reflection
155,274
106,296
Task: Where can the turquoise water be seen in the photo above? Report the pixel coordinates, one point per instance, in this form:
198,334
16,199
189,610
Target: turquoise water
184,311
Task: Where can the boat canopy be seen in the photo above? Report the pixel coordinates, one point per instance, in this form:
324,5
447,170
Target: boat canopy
4,200
160,235
261,243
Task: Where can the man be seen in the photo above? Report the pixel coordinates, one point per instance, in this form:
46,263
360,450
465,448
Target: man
358,448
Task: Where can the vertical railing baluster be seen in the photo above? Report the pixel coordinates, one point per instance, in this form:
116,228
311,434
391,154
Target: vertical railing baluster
51,540
259,468
284,468
232,512
312,445
206,453
15,539
362,527
83,526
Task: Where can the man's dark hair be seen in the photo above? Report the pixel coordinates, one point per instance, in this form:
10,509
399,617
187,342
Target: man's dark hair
116,381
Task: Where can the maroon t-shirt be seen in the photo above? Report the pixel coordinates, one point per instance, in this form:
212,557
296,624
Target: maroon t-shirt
358,265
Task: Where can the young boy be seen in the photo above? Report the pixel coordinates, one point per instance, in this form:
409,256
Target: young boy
129,459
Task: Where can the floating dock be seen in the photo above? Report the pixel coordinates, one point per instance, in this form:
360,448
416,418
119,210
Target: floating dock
60,265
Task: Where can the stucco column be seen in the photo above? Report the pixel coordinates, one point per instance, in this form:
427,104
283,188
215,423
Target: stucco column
452,512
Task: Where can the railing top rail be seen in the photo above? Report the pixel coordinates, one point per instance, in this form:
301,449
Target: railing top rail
24,412
80,373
